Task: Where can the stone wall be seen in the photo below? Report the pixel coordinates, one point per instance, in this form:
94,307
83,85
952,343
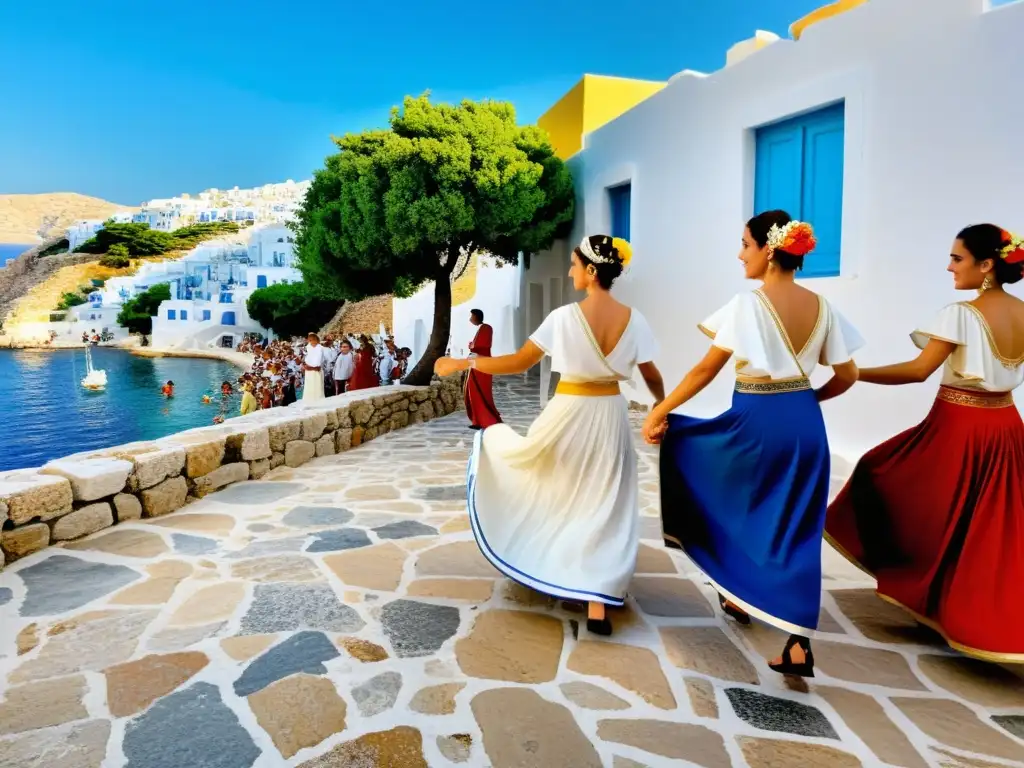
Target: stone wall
81,494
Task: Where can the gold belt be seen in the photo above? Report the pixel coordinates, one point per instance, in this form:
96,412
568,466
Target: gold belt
751,387
976,399
588,388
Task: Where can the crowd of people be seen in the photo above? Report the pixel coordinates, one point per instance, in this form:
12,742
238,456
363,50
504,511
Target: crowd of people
309,369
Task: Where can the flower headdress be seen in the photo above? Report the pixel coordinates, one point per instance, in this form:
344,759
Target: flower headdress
622,248
796,238
1013,251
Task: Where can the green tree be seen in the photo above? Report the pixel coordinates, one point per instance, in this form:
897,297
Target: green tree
70,299
396,208
118,257
137,314
290,309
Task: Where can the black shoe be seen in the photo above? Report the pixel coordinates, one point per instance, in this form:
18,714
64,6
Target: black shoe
730,610
788,667
599,626
474,427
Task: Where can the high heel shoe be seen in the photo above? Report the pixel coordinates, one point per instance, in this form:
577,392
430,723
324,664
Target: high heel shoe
599,626
731,610
788,666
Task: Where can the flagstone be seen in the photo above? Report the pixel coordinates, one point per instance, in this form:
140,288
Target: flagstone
517,646
707,651
460,558
209,604
193,545
771,713
980,682
659,596
590,696
90,642
298,712
302,652
436,699
130,542
41,705
372,493
378,694
363,650
244,647
776,753
312,517
878,620
866,717
680,741
6,595
201,522
339,540
61,583
180,638
192,728
289,607
457,748
257,493
133,686
27,639
635,669
404,529
520,728
702,697
416,628
75,745
377,567
955,725
278,568
400,746
475,590
456,525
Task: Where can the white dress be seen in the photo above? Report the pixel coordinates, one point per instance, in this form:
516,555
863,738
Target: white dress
976,362
557,510
313,384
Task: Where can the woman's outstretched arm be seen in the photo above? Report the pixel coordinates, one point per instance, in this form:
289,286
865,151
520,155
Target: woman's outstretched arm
702,374
913,371
844,376
655,383
505,365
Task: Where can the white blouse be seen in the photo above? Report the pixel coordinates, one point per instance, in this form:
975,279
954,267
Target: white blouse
976,362
750,328
576,355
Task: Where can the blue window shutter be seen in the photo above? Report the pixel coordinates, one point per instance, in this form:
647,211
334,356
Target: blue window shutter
779,168
261,281
184,314
206,314
171,314
822,202
227,318
620,201
799,168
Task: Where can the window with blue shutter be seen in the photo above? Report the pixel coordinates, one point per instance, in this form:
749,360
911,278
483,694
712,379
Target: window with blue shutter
172,314
184,314
206,314
261,281
799,168
619,199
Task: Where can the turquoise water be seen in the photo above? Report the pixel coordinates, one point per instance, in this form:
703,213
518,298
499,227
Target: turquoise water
9,251
47,414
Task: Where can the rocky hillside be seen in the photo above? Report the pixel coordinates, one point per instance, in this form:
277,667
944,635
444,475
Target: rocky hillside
27,218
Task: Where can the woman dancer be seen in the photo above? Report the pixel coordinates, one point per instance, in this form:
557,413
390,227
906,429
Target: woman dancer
363,376
557,510
744,493
935,513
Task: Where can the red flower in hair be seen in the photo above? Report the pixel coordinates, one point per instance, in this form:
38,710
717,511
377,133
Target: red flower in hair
1013,251
1015,256
799,240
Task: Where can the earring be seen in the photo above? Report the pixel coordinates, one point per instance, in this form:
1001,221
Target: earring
986,284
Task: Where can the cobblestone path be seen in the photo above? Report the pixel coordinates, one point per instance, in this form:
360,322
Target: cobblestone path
340,614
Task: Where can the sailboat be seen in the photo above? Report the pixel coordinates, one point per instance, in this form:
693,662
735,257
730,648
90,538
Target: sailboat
94,380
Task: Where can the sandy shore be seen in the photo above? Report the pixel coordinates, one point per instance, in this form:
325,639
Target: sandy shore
242,360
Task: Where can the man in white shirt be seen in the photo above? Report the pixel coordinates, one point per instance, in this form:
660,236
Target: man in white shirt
387,362
344,367
330,355
312,365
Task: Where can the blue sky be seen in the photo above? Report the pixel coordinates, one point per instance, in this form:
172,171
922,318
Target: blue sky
133,100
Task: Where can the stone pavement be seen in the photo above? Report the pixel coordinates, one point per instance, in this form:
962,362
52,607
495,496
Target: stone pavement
340,614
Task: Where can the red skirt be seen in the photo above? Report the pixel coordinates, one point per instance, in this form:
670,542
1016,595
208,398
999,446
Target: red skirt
936,515
479,396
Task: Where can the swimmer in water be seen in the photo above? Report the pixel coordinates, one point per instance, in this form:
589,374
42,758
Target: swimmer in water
168,389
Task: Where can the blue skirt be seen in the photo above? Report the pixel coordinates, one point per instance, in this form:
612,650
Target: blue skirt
744,495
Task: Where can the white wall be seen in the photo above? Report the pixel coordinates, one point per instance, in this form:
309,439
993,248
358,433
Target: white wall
934,97
497,293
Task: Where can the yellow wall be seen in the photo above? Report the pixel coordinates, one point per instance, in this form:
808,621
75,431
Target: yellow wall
592,102
825,12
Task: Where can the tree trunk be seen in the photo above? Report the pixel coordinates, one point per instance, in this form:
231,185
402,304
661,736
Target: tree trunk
439,334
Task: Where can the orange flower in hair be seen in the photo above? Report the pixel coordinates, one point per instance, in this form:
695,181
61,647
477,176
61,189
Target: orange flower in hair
1013,251
796,238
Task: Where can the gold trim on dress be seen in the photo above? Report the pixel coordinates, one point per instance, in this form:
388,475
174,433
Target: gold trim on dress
975,399
706,331
588,388
756,387
1007,362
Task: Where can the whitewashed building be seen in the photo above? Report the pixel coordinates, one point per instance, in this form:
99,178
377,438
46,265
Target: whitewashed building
889,127
86,229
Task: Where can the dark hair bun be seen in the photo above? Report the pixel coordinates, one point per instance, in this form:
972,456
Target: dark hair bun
987,241
607,271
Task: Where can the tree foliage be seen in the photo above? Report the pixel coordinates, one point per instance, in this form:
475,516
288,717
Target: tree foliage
140,240
396,208
290,309
118,257
137,313
69,299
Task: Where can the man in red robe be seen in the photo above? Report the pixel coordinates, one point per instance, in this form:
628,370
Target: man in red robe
480,405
